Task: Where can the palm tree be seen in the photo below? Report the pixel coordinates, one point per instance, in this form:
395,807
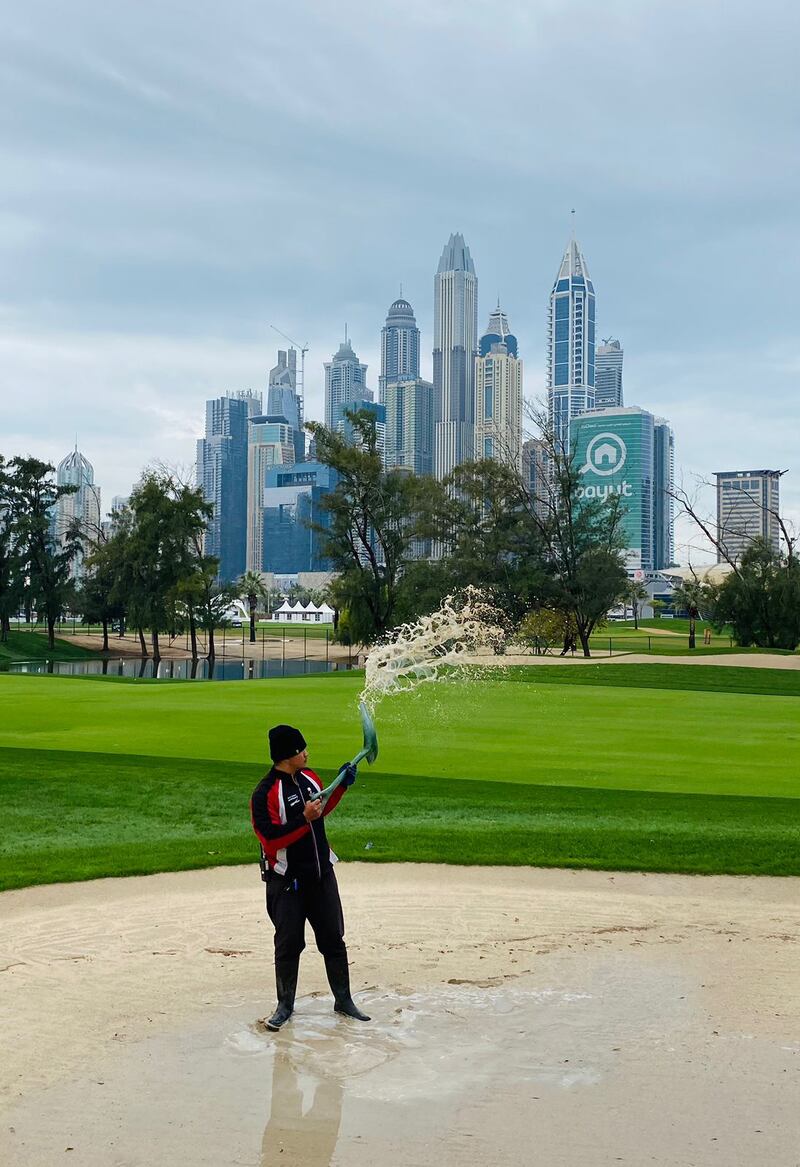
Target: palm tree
635,593
689,596
250,587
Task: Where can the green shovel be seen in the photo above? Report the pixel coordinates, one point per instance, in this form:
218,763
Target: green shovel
369,750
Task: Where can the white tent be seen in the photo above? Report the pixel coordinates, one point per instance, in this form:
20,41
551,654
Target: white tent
298,613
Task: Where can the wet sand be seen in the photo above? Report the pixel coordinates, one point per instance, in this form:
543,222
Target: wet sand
520,1016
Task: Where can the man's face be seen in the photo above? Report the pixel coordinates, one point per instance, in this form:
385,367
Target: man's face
298,761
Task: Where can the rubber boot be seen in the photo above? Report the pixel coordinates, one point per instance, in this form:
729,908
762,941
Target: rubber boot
286,983
339,980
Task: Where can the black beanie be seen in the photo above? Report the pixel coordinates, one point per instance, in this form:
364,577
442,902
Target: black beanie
284,742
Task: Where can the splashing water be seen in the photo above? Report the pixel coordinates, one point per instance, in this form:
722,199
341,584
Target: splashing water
431,648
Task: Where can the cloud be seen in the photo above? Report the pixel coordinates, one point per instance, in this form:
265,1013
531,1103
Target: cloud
177,176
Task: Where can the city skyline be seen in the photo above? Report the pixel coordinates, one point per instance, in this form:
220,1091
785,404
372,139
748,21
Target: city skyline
201,198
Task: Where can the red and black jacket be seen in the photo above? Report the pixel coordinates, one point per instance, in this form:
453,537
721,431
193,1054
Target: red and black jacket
292,847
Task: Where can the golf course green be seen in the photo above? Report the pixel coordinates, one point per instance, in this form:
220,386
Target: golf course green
649,767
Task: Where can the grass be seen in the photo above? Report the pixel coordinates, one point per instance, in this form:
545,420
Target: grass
649,767
83,816
22,646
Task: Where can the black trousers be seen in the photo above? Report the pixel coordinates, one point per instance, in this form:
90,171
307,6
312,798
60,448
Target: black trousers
314,900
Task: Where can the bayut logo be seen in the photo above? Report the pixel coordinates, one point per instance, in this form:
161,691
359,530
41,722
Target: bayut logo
605,455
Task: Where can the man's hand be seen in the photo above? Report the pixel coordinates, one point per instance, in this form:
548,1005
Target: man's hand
348,772
312,810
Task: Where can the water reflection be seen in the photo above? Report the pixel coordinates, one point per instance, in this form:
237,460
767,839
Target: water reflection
294,1136
177,670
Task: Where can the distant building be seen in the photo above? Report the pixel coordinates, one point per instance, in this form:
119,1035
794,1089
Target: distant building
284,400
627,452
292,501
498,394
378,411
410,420
399,346
455,346
570,345
222,475
608,375
270,443
748,506
534,474
663,489
79,512
345,383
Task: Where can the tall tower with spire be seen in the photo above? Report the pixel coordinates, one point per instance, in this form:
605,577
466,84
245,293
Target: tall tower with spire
78,512
455,336
570,344
399,346
498,394
345,383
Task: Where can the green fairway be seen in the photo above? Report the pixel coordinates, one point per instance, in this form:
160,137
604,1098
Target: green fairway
33,646
657,767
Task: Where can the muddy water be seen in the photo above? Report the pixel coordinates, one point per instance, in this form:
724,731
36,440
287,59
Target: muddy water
618,1063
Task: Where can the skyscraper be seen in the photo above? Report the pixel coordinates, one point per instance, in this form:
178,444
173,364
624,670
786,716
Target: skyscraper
410,419
283,400
608,375
292,498
455,337
663,488
409,401
270,442
498,394
570,344
78,512
748,505
399,346
627,452
222,474
345,382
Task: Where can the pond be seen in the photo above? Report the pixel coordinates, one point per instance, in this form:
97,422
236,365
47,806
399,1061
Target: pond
178,670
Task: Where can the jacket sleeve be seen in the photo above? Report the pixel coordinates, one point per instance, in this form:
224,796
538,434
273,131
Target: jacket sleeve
266,818
333,799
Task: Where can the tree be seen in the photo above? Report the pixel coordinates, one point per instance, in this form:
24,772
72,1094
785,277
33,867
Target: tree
168,521
635,593
44,563
10,568
490,536
761,600
582,539
376,520
690,596
250,587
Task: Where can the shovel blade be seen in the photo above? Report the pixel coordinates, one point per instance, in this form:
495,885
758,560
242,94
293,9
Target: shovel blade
370,750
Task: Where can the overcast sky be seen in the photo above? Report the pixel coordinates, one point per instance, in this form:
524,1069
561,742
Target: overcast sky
179,175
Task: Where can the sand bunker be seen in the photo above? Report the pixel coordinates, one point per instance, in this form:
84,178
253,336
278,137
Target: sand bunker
521,1016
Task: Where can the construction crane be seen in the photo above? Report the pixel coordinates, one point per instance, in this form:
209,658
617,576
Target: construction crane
303,350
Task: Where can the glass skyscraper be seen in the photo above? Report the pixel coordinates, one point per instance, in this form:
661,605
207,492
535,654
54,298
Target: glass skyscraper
222,474
570,345
498,394
608,375
628,452
292,502
283,400
80,510
455,346
270,442
345,383
409,400
399,346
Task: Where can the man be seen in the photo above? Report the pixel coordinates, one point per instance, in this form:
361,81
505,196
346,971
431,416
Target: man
288,815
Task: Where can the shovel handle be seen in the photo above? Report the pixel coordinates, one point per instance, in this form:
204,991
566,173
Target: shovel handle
328,791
